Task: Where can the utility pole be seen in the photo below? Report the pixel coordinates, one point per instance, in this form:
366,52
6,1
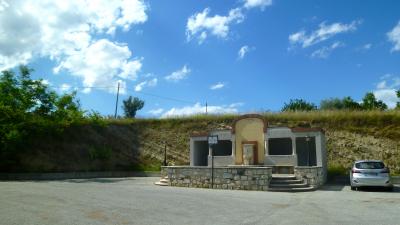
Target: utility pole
116,103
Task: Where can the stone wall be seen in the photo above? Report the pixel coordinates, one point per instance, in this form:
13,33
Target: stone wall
313,175
230,177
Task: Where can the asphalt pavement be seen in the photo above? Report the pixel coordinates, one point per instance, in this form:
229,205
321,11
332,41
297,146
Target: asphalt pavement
138,201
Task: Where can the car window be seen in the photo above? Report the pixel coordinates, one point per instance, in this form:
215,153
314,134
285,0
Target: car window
370,165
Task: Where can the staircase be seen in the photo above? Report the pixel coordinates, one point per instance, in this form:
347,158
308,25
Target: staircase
288,183
162,182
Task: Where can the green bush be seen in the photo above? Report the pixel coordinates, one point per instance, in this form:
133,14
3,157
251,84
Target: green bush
337,170
101,153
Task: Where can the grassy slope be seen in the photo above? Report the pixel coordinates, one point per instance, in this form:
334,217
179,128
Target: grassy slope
139,144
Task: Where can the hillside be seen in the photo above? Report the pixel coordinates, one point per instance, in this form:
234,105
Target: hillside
139,144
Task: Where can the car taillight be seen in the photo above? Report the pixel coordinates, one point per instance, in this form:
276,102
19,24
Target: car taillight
385,170
355,171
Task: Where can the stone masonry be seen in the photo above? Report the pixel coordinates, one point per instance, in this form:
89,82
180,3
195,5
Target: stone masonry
312,175
229,177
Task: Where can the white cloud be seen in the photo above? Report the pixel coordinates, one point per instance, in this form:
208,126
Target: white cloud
257,3
323,33
179,74
386,90
200,109
201,25
148,83
325,51
236,104
65,87
394,37
367,46
216,86
101,63
63,31
243,51
46,82
156,112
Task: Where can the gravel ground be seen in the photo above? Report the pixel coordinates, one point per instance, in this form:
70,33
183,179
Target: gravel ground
137,201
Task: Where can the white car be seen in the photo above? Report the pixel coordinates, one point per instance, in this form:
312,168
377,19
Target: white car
370,173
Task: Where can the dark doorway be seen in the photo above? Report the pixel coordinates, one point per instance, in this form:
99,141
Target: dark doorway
200,156
306,151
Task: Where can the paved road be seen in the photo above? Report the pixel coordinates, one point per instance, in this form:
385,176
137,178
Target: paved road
138,201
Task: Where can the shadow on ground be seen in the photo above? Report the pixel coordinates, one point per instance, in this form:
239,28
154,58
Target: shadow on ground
88,180
378,189
337,187
99,180
331,188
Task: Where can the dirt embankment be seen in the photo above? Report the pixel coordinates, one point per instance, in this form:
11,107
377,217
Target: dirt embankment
344,147
139,144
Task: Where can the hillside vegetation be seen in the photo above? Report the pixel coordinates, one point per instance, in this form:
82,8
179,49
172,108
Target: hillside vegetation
127,144
45,131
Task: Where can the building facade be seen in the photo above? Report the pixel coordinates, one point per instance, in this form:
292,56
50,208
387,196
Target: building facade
252,142
251,145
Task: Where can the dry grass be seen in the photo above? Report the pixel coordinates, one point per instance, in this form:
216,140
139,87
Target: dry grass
139,143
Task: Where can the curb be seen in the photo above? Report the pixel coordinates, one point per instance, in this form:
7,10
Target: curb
76,175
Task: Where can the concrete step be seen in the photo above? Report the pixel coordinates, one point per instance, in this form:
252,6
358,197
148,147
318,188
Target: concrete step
284,177
161,183
301,185
280,181
300,189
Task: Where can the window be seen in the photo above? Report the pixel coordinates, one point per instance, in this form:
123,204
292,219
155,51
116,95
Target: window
280,146
223,148
370,165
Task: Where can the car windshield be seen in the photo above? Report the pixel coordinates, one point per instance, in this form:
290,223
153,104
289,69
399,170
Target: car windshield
370,165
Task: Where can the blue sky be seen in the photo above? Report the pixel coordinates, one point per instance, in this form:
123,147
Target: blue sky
238,56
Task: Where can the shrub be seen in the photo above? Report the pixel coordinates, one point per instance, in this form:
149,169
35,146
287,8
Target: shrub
101,153
298,105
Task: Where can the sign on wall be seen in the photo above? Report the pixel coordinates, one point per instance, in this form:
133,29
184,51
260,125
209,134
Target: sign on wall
212,139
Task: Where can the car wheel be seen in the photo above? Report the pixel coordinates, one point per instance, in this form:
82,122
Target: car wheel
353,188
390,189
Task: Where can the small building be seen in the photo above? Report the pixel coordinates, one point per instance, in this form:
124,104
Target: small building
251,143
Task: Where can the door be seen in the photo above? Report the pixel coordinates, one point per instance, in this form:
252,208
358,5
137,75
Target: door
306,151
252,147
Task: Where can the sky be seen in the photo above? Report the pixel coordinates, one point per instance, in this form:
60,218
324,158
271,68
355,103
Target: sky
238,56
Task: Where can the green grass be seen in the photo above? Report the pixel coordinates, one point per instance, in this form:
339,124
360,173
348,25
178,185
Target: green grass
147,167
337,170
147,135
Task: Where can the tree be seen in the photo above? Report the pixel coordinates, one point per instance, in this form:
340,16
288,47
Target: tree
131,106
350,104
346,103
371,103
298,105
26,103
331,104
398,96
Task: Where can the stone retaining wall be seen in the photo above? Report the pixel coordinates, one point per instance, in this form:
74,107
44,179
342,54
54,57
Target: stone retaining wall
312,175
231,177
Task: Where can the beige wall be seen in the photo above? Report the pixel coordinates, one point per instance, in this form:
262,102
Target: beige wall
249,129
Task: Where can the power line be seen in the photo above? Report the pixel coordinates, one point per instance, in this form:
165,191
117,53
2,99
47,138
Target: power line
165,97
